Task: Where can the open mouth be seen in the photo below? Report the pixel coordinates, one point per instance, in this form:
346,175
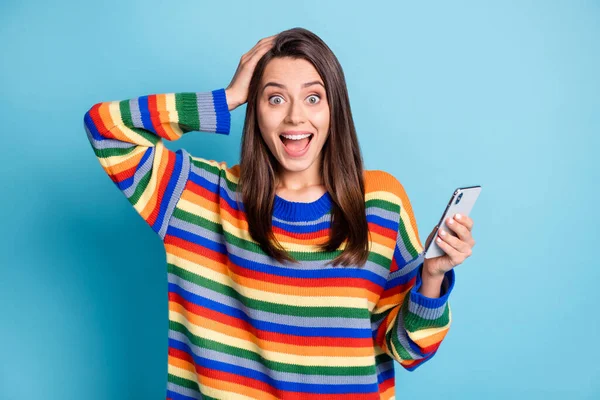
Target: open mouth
296,144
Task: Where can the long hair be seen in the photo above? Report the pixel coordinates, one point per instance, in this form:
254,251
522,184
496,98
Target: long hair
341,159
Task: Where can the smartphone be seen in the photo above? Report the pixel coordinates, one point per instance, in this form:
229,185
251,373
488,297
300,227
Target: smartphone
461,202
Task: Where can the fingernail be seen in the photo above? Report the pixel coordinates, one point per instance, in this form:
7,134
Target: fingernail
450,222
457,216
443,232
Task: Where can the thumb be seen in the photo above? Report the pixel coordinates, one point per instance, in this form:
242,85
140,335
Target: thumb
430,236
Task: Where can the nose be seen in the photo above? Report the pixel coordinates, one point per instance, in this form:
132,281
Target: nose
296,113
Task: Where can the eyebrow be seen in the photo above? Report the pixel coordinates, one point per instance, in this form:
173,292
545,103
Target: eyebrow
279,85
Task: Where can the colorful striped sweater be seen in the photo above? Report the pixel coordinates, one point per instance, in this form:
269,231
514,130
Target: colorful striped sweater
242,325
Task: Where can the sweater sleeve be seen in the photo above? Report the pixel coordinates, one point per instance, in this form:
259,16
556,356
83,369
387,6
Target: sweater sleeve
126,137
408,326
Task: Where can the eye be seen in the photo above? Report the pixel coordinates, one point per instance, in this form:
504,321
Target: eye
316,96
272,97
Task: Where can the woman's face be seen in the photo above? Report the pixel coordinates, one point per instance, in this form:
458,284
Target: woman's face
285,104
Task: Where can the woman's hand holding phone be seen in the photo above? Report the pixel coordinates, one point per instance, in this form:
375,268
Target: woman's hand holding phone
457,248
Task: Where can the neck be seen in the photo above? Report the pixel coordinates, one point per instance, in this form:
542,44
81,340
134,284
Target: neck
299,180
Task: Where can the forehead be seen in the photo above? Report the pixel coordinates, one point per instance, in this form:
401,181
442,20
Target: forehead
290,72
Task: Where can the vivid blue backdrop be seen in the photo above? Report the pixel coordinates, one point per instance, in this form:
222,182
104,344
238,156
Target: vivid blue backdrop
500,94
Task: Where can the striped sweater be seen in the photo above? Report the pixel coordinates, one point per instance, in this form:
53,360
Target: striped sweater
241,324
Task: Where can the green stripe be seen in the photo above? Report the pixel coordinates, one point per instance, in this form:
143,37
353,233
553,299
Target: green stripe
383,204
113,151
247,245
406,240
198,221
281,309
414,322
140,188
187,108
186,383
392,336
273,365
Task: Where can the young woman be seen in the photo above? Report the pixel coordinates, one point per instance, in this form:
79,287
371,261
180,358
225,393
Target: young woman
294,274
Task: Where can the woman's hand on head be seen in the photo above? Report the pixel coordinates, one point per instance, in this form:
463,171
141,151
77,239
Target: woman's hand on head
237,91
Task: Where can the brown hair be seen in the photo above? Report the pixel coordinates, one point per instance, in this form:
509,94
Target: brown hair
342,164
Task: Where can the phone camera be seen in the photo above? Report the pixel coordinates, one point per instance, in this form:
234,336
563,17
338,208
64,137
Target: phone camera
458,198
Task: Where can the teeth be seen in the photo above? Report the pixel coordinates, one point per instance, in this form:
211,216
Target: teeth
297,137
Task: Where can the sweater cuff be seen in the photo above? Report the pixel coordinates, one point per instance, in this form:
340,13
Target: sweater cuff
428,307
204,111
221,110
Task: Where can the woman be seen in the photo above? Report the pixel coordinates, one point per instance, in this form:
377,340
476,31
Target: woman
295,274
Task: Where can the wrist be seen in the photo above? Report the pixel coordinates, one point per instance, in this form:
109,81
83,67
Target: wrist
432,275
231,102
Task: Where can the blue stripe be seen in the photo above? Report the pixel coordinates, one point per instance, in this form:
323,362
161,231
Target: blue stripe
358,273
89,123
203,182
145,114
384,376
386,223
176,172
126,183
234,312
279,385
221,111
302,228
422,361
197,239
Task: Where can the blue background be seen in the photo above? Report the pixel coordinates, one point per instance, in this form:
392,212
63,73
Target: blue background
505,95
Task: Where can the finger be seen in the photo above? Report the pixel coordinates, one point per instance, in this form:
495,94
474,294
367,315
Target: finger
259,50
455,256
455,242
464,220
457,227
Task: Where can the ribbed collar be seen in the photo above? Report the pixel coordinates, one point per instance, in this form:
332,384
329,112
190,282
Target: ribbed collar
299,211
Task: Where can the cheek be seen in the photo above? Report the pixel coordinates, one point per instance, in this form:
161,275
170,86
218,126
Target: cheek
321,119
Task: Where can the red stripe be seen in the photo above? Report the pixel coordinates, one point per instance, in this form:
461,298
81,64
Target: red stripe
154,117
304,282
260,385
162,184
266,335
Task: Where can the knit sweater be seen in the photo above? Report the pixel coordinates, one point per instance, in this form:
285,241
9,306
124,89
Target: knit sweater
241,324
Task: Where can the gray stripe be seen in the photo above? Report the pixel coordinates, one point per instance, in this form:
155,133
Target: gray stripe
209,176
324,218
206,111
136,115
107,143
173,387
139,174
263,258
385,366
425,312
406,255
276,375
409,268
265,316
181,182
402,336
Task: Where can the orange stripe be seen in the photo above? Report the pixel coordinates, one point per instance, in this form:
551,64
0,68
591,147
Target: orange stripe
217,384
201,260
432,339
158,171
256,344
166,130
